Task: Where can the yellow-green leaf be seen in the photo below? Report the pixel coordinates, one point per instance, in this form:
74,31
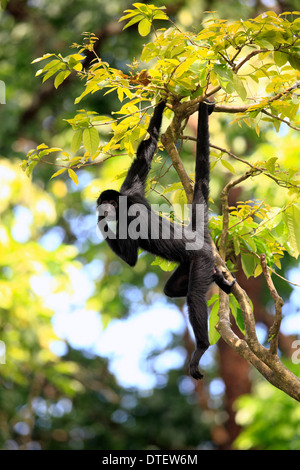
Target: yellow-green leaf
249,264
132,21
45,56
60,77
73,176
57,173
91,140
258,270
239,87
163,264
280,58
42,146
76,140
213,334
144,27
292,219
228,166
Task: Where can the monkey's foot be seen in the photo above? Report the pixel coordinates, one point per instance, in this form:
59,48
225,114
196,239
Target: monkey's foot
194,363
228,287
195,372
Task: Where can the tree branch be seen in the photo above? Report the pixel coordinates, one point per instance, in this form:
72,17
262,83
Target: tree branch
225,209
278,301
266,361
282,120
168,139
275,372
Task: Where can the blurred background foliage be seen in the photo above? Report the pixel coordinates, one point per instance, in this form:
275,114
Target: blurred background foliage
61,290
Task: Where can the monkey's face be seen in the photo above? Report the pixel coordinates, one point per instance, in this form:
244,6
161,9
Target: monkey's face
110,209
108,205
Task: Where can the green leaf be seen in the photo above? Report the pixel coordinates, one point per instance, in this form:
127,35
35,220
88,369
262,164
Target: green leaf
270,164
249,242
248,264
144,27
225,77
213,334
164,264
73,176
236,313
91,140
173,187
236,245
280,58
294,61
76,140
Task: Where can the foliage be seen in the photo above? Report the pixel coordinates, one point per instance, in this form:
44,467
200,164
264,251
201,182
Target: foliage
185,65
243,61
32,115
269,419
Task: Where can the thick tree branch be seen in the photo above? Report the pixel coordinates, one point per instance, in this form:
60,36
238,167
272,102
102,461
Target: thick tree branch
169,138
239,345
274,371
266,361
178,165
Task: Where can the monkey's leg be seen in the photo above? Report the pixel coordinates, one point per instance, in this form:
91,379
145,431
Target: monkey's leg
200,279
177,284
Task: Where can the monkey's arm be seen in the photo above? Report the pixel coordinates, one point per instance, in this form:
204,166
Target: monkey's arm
126,249
135,180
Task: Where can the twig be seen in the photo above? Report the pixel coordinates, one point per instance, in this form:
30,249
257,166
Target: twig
257,169
283,278
77,166
279,119
162,195
216,147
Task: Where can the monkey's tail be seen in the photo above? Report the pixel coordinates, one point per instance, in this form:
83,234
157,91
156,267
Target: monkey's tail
155,122
202,152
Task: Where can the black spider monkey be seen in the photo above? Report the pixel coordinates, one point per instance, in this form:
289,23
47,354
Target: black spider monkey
197,269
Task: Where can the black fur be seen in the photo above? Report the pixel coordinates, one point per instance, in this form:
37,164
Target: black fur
196,270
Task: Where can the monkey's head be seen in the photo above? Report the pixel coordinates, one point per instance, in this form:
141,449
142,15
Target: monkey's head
108,204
